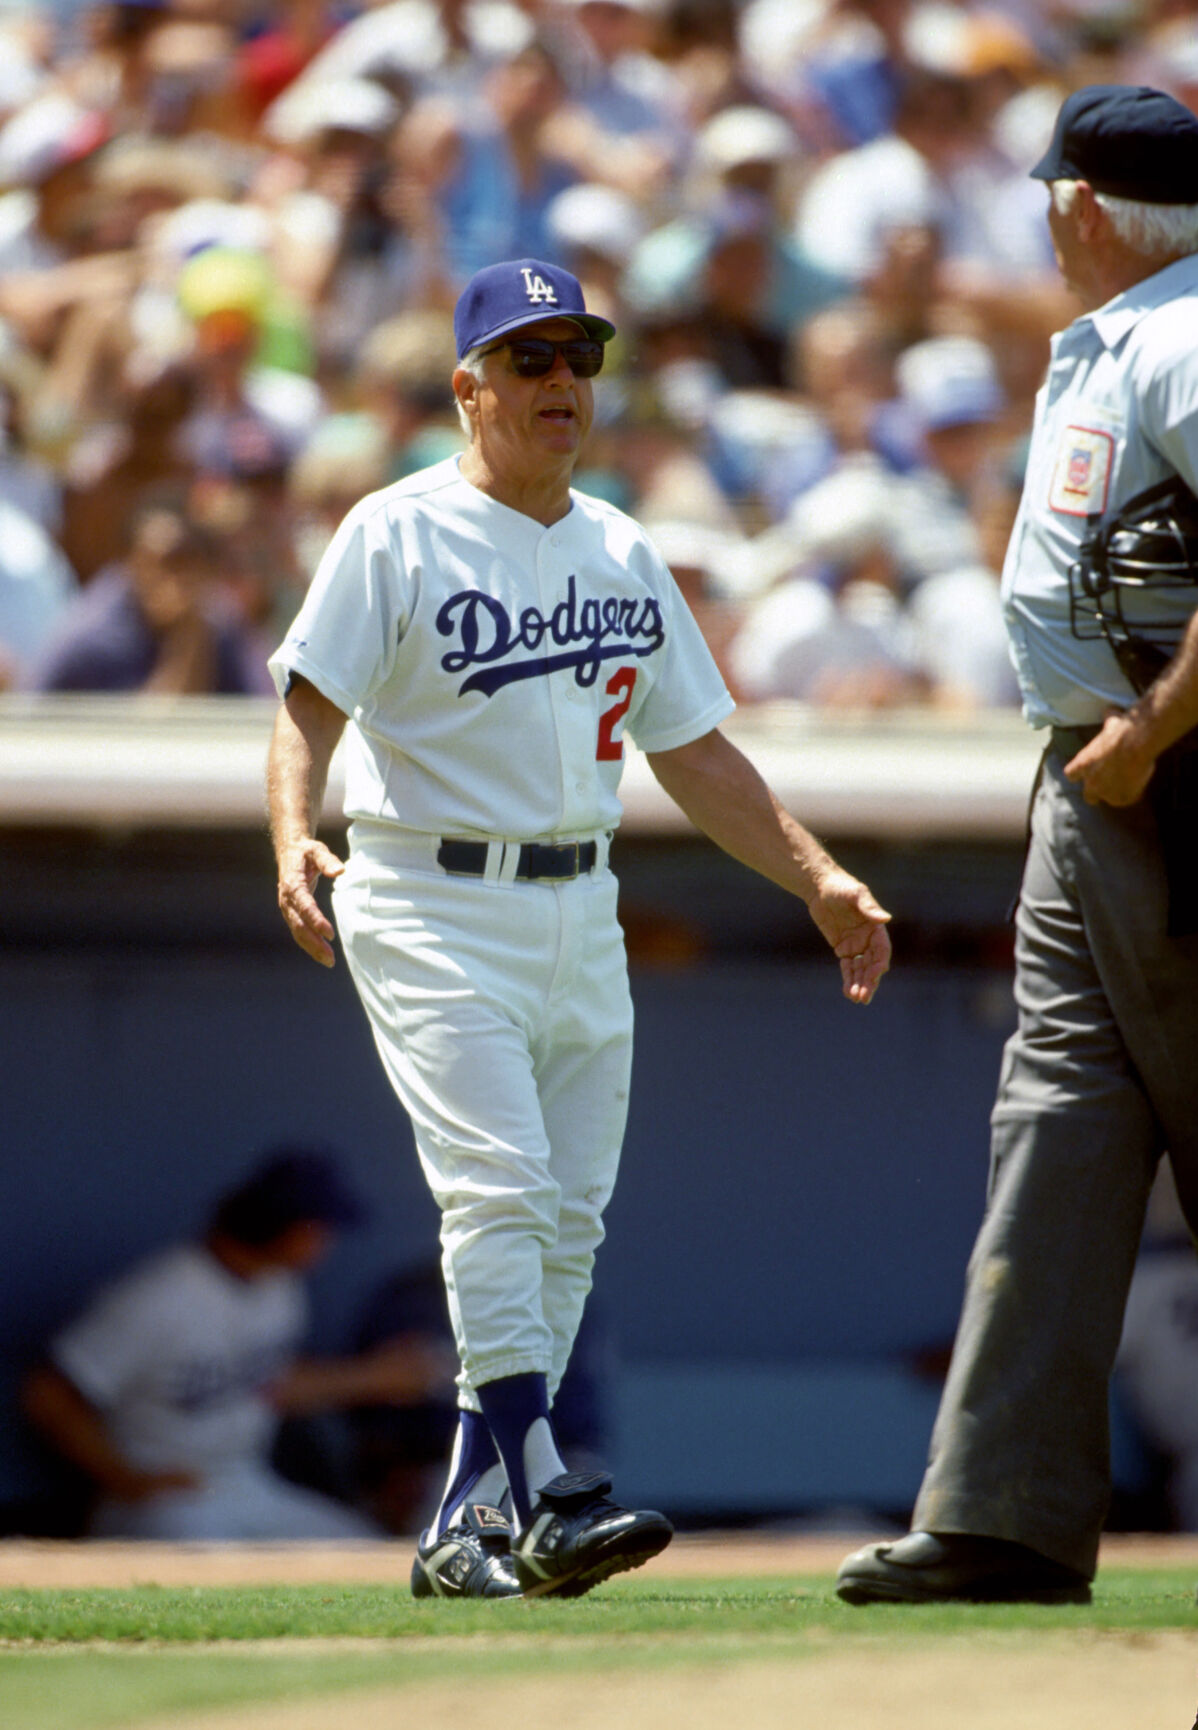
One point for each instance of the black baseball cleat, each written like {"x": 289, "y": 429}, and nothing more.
{"x": 942, "y": 1567}
{"x": 472, "y": 1559}
{"x": 577, "y": 1537}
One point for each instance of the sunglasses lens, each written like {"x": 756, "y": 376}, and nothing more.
{"x": 534, "y": 357}
{"x": 585, "y": 358}
{"x": 531, "y": 359}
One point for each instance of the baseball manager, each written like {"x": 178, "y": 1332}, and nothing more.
{"x": 488, "y": 638}
{"x": 1101, "y": 1075}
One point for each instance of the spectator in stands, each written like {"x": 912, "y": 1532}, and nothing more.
{"x": 116, "y": 462}
{"x": 624, "y": 126}
{"x": 959, "y": 638}
{"x": 593, "y": 231}
{"x": 425, "y": 47}
{"x": 153, "y": 621}
{"x": 400, "y": 385}
{"x": 932, "y": 220}
{"x": 941, "y": 436}
{"x": 744, "y": 283}
{"x": 829, "y": 629}
{"x": 347, "y": 456}
{"x": 839, "y": 65}
{"x": 697, "y": 554}
{"x": 841, "y": 365}
{"x": 47, "y": 154}
{"x": 37, "y": 589}
{"x": 254, "y": 393}
{"x": 167, "y": 1391}
{"x": 26, "y": 479}
{"x": 774, "y": 201}
{"x": 339, "y": 228}
{"x": 281, "y": 48}
{"x": 488, "y": 169}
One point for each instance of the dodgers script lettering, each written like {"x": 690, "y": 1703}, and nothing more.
{"x": 582, "y": 635}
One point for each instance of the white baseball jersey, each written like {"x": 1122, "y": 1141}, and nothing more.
{"x": 490, "y": 666}
{"x": 178, "y": 1355}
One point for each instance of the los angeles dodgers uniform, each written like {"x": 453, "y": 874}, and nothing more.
{"x": 491, "y": 669}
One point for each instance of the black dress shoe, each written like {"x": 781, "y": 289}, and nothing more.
{"x": 930, "y": 1567}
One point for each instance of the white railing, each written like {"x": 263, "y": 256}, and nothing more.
{"x": 200, "y": 762}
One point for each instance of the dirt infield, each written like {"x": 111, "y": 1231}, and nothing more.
{"x": 1146, "y": 1683}
{"x": 25, "y": 1563}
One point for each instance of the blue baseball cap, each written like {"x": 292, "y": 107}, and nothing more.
{"x": 1127, "y": 140}
{"x": 505, "y": 297}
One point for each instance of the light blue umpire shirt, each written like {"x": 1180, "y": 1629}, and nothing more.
{"x": 1117, "y": 412}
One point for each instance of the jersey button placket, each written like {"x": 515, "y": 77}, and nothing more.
{"x": 551, "y": 591}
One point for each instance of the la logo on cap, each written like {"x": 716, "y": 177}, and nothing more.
{"x": 537, "y": 289}
{"x": 501, "y": 298}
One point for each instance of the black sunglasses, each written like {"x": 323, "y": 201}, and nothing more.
{"x": 534, "y": 356}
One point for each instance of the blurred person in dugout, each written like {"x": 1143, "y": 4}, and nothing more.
{"x": 168, "y": 1390}
{"x": 1156, "y": 1371}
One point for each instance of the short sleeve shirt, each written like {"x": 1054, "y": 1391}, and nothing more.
{"x": 1117, "y": 413}
{"x": 490, "y": 666}
{"x": 178, "y": 1354}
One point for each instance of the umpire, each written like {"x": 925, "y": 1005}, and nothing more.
{"x": 1101, "y": 1076}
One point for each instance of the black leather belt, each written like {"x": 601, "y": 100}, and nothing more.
{"x": 1068, "y": 741}
{"x": 538, "y": 859}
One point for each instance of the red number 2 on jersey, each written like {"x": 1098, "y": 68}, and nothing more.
{"x": 621, "y": 686}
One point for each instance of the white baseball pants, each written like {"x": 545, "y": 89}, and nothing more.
{"x": 502, "y": 1014}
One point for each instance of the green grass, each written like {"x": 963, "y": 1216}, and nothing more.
{"x": 1131, "y": 1598}
{"x": 109, "y": 1659}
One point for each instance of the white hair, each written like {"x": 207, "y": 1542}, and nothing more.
{"x": 471, "y": 362}
{"x": 1150, "y": 230}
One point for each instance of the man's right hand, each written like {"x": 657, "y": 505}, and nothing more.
{"x": 1115, "y": 767}
{"x": 301, "y": 865}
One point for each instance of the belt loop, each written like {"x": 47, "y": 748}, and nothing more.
{"x": 509, "y": 859}
{"x": 494, "y": 866}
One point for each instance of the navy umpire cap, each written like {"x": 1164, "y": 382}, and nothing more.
{"x": 292, "y": 1185}
{"x": 1127, "y": 140}
{"x": 504, "y": 297}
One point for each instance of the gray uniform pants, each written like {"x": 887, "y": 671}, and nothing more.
{"x": 1100, "y": 1077}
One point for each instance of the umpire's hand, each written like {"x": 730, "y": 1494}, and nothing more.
{"x": 1117, "y": 764}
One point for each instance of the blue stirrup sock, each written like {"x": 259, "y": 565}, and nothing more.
{"x": 516, "y": 1409}
{"x": 475, "y": 1469}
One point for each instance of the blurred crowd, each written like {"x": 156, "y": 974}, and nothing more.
{"x": 232, "y": 233}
